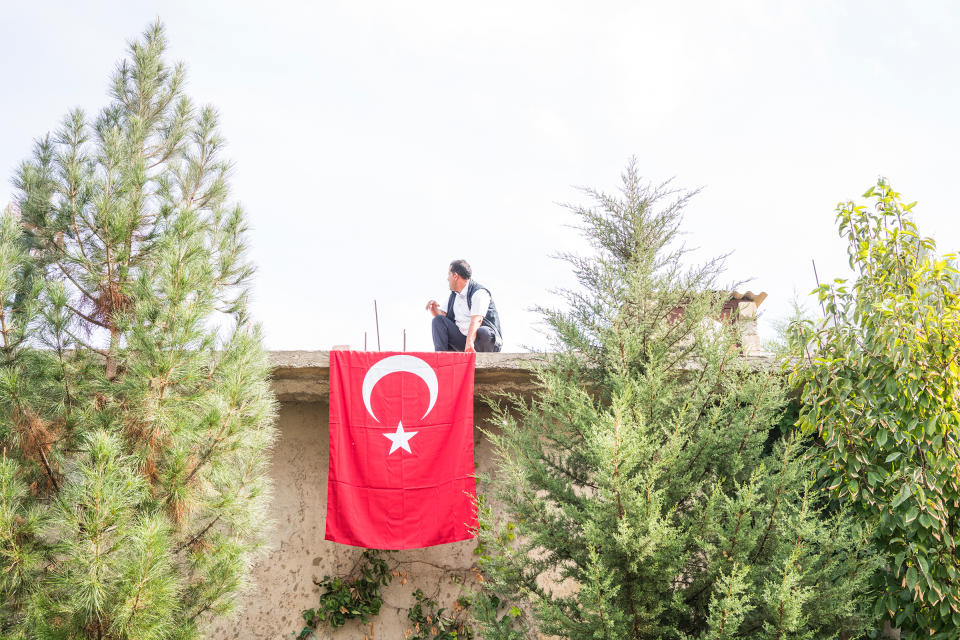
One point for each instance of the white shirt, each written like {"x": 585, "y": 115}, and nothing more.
{"x": 481, "y": 302}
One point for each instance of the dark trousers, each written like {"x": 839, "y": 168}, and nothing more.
{"x": 447, "y": 337}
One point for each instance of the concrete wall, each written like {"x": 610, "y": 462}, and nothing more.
{"x": 284, "y": 577}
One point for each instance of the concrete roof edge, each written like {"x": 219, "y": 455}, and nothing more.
{"x": 303, "y": 376}
{"x": 289, "y": 361}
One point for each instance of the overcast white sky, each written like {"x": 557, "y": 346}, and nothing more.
{"x": 374, "y": 142}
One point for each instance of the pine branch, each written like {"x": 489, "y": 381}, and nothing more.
{"x": 89, "y": 319}
{"x": 49, "y": 471}
{"x": 199, "y": 535}
{"x": 206, "y": 456}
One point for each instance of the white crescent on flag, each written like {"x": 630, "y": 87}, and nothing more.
{"x": 396, "y": 364}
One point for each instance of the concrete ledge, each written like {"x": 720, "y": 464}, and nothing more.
{"x": 304, "y": 376}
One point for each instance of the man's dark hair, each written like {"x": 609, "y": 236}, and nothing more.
{"x": 461, "y": 268}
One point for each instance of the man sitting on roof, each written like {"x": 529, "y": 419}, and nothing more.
{"x": 470, "y": 321}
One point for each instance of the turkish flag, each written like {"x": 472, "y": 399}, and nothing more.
{"x": 401, "y": 449}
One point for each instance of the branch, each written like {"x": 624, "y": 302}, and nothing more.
{"x": 89, "y": 319}
{"x": 198, "y": 536}
{"x": 46, "y": 466}
{"x": 85, "y": 345}
{"x": 207, "y": 454}
{"x": 73, "y": 280}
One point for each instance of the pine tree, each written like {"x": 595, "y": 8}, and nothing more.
{"x": 136, "y": 416}
{"x": 646, "y": 490}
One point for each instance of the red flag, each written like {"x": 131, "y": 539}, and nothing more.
{"x": 401, "y": 449}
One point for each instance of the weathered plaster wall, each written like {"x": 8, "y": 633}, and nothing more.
{"x": 283, "y": 577}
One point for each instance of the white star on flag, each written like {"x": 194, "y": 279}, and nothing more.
{"x": 400, "y": 439}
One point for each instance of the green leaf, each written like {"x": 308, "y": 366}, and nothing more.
{"x": 902, "y": 496}
{"x": 893, "y": 456}
{"x": 912, "y": 577}
{"x": 931, "y": 427}
{"x": 912, "y": 512}
{"x": 882, "y": 437}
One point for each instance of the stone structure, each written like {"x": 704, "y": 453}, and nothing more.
{"x": 283, "y": 578}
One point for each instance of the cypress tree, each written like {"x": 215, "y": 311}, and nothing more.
{"x": 646, "y": 491}
{"x": 136, "y": 416}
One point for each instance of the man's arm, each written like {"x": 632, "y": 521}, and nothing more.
{"x": 479, "y": 306}
{"x": 475, "y": 322}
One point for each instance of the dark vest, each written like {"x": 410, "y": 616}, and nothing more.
{"x": 490, "y": 319}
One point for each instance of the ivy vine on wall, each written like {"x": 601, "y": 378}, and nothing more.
{"x": 347, "y": 598}
{"x": 357, "y": 595}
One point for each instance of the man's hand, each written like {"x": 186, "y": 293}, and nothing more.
{"x": 469, "y": 348}
{"x": 434, "y": 308}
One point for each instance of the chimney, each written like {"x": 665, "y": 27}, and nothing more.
{"x": 743, "y": 307}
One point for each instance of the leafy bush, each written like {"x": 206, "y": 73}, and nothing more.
{"x": 349, "y": 598}
{"x": 881, "y": 387}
